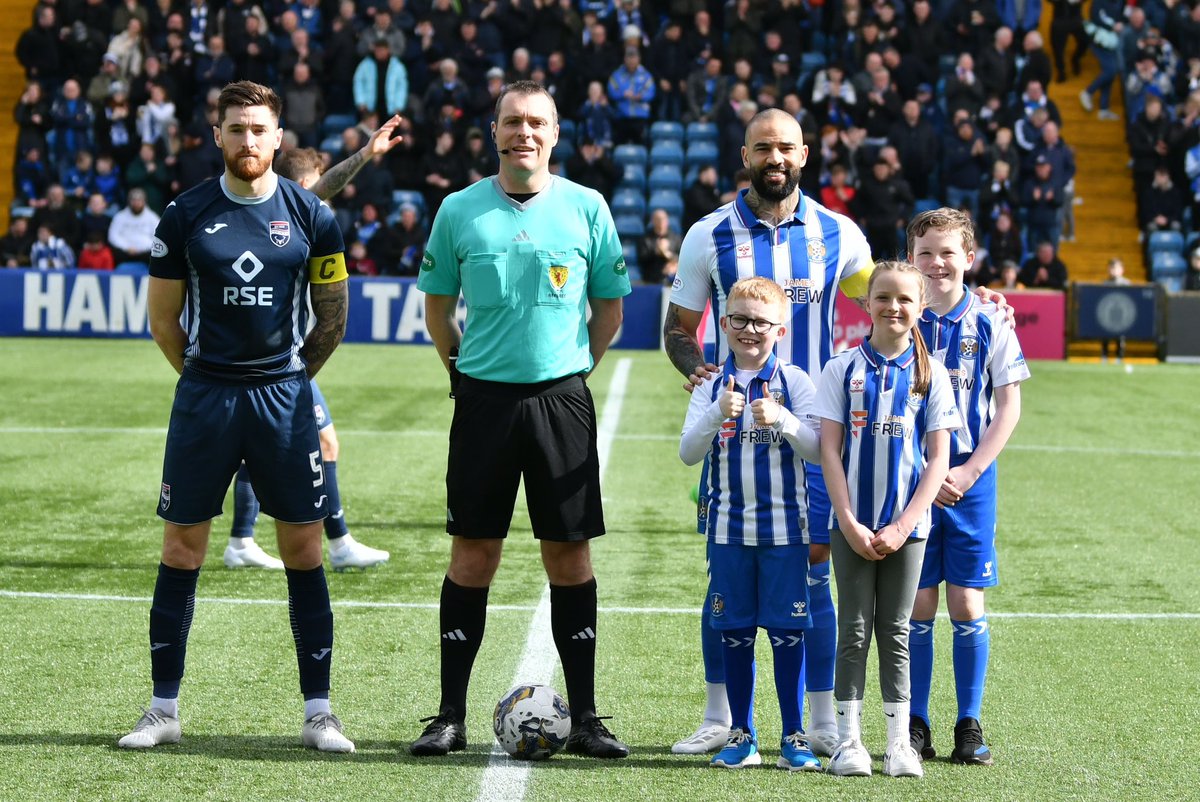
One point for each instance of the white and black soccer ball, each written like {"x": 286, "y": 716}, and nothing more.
{"x": 531, "y": 722}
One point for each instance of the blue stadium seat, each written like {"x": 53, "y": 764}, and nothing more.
{"x": 812, "y": 61}
{"x": 567, "y": 132}
{"x": 629, "y": 154}
{"x": 629, "y": 250}
{"x": 1165, "y": 241}
{"x": 926, "y": 205}
{"x": 665, "y": 176}
{"x": 671, "y": 202}
{"x": 334, "y": 124}
{"x": 1171, "y": 284}
{"x": 1167, "y": 263}
{"x": 629, "y": 227}
{"x": 702, "y": 132}
{"x": 666, "y": 152}
{"x": 634, "y": 177}
{"x": 666, "y": 131}
{"x": 403, "y": 196}
{"x": 702, "y": 153}
{"x": 564, "y": 150}
{"x": 331, "y": 144}
{"x": 628, "y": 201}
{"x": 21, "y": 211}
{"x": 133, "y": 268}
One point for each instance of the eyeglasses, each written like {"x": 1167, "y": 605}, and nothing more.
{"x": 740, "y": 322}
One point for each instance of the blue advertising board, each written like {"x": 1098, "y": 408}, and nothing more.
{"x": 1114, "y": 310}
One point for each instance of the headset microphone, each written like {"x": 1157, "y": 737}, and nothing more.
{"x": 504, "y": 152}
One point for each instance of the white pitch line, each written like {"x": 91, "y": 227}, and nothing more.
{"x": 529, "y": 608}
{"x": 504, "y": 779}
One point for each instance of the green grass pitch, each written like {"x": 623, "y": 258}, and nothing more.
{"x": 1094, "y": 677}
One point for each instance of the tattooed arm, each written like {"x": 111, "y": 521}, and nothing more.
{"x": 330, "y": 303}
{"x": 683, "y": 346}
{"x": 335, "y": 179}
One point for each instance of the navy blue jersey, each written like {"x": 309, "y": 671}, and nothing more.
{"x": 247, "y": 263}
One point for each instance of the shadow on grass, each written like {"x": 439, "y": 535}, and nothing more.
{"x": 285, "y": 749}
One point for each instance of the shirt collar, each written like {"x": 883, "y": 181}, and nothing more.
{"x": 957, "y": 313}
{"x": 876, "y": 359}
{"x": 750, "y": 220}
{"x": 768, "y": 371}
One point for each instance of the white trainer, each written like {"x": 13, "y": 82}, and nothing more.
{"x": 901, "y": 760}
{"x": 250, "y": 555}
{"x": 823, "y": 742}
{"x": 323, "y": 732}
{"x": 153, "y": 728}
{"x": 850, "y": 759}
{"x": 709, "y": 738}
{"x": 346, "y": 553}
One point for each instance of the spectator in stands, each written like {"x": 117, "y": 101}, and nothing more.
{"x": 520, "y": 66}
{"x": 885, "y": 203}
{"x": 49, "y": 252}
{"x": 214, "y": 68}
{"x": 153, "y": 74}
{"x": 373, "y": 185}
{"x": 1191, "y": 281}
{"x": 116, "y": 127}
{"x": 59, "y": 215}
{"x": 102, "y": 83}
{"x": 1147, "y": 137}
{"x": 96, "y": 255}
{"x": 78, "y": 178}
{"x": 340, "y": 59}
{"x": 1160, "y": 207}
{"x": 918, "y": 146}
{"x": 999, "y": 193}
{"x": 592, "y": 167}
{"x": 997, "y": 64}
{"x": 257, "y": 57}
{"x": 924, "y": 38}
{"x": 1067, "y": 22}
{"x": 38, "y": 50}
{"x": 964, "y": 164}
{"x": 304, "y": 103}
{"x": 670, "y": 64}
{"x": 596, "y": 116}
{"x": 1033, "y": 98}
{"x": 132, "y": 231}
{"x": 198, "y": 161}
{"x": 149, "y": 173}
{"x": 302, "y": 50}
{"x": 95, "y": 218}
{"x": 1041, "y": 199}
{"x": 130, "y": 49}
{"x": 839, "y": 196}
{"x": 973, "y": 22}
{"x": 732, "y": 121}
{"x": 1021, "y": 17}
{"x": 905, "y": 71}
{"x": 32, "y": 115}
{"x": 658, "y": 249}
{"x": 701, "y": 197}
{"x": 1010, "y": 277}
{"x": 1002, "y": 148}
{"x": 1044, "y": 270}
{"x": 126, "y": 10}
{"x": 1027, "y": 133}
{"x": 484, "y": 105}
{"x": 881, "y": 107}
{"x": 449, "y": 90}
{"x": 1032, "y": 62}
{"x": 181, "y": 69}
{"x": 1104, "y": 26}
{"x": 1062, "y": 157}
{"x": 358, "y": 262}
{"x": 108, "y": 181}
{"x": 16, "y": 243}
{"x": 480, "y": 157}
{"x": 597, "y": 60}
{"x": 155, "y": 115}
{"x": 444, "y": 171}
{"x": 1004, "y": 240}
{"x": 72, "y": 118}
{"x": 707, "y": 90}
{"x": 31, "y": 177}
{"x": 1145, "y": 80}
{"x": 963, "y": 88}
{"x": 380, "y": 83}
{"x": 630, "y": 91}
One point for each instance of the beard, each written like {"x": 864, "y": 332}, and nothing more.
{"x": 775, "y": 194}
{"x": 248, "y": 168}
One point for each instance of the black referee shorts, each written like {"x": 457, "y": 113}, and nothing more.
{"x": 545, "y": 432}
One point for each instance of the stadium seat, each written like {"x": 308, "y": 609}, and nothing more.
{"x": 667, "y": 152}
{"x": 21, "y": 211}
{"x": 133, "y": 268}
{"x": 702, "y": 153}
{"x": 628, "y": 201}
{"x": 926, "y": 205}
{"x": 567, "y": 131}
{"x": 629, "y": 227}
{"x": 402, "y": 196}
{"x": 812, "y": 61}
{"x": 1167, "y": 263}
{"x": 1171, "y": 284}
{"x": 1165, "y": 241}
{"x": 331, "y": 144}
{"x": 666, "y": 131}
{"x": 564, "y": 150}
{"x": 702, "y": 132}
{"x": 334, "y": 124}
{"x": 629, "y": 154}
{"x": 665, "y": 176}
{"x": 671, "y": 202}
{"x": 633, "y": 177}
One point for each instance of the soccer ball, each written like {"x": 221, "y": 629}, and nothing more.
{"x": 532, "y": 722}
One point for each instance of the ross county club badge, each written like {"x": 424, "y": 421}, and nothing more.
{"x": 281, "y": 232}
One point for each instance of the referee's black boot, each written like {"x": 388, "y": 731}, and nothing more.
{"x": 445, "y": 733}
{"x": 591, "y": 738}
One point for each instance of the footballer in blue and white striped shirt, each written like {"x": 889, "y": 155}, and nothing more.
{"x": 981, "y": 353}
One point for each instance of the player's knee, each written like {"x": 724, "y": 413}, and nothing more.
{"x": 300, "y": 544}
{"x": 329, "y": 444}
{"x": 184, "y": 547}
{"x": 965, "y": 604}
{"x": 473, "y": 563}
{"x": 567, "y": 564}
{"x": 926, "y": 604}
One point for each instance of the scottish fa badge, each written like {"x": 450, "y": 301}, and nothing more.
{"x": 558, "y": 277}
{"x": 281, "y": 232}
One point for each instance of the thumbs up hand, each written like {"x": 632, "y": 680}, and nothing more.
{"x": 766, "y": 410}
{"x": 732, "y": 402}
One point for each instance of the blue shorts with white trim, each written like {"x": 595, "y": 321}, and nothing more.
{"x": 962, "y": 541}
{"x": 758, "y": 586}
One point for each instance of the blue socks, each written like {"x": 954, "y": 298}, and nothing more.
{"x": 920, "y": 666}
{"x": 312, "y": 629}
{"x": 711, "y": 647}
{"x": 972, "y": 642}
{"x": 788, "y": 648}
{"x": 739, "y": 675}
{"x": 170, "y": 621}
{"x": 245, "y": 505}
{"x": 335, "y": 521}
{"x": 820, "y": 650}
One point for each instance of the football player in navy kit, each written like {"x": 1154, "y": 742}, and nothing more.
{"x": 236, "y": 258}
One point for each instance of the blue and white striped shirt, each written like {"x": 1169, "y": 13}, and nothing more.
{"x": 756, "y": 493}
{"x": 883, "y": 451}
{"x": 808, "y": 255}
{"x": 981, "y": 352}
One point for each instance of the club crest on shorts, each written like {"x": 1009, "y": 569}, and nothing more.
{"x": 717, "y": 603}
{"x": 968, "y": 347}
{"x": 164, "y": 497}
{"x": 281, "y": 232}
{"x": 558, "y": 277}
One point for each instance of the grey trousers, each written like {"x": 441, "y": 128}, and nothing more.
{"x": 874, "y": 596}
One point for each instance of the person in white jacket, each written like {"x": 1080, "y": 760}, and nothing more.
{"x": 132, "y": 230}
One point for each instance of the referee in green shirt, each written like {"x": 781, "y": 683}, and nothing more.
{"x": 529, "y": 252}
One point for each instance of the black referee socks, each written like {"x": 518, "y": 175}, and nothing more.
{"x": 573, "y": 622}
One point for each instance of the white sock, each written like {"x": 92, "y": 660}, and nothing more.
{"x": 716, "y": 704}
{"x": 821, "y": 715}
{"x": 848, "y": 713}
{"x": 339, "y": 543}
{"x": 239, "y": 543}
{"x": 314, "y": 706}
{"x": 896, "y": 714}
{"x": 168, "y": 706}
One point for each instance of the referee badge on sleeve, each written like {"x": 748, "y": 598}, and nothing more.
{"x": 558, "y": 277}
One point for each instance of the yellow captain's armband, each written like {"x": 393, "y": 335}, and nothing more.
{"x": 327, "y": 269}
{"x": 856, "y": 286}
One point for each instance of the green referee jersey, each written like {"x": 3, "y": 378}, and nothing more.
{"x": 526, "y": 271}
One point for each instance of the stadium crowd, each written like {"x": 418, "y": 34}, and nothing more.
{"x": 905, "y": 105}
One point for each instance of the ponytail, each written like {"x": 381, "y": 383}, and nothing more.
{"x": 921, "y": 371}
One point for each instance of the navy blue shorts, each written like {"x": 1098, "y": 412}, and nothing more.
{"x": 758, "y": 586}
{"x": 320, "y": 408}
{"x": 962, "y": 541}
{"x": 215, "y": 427}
